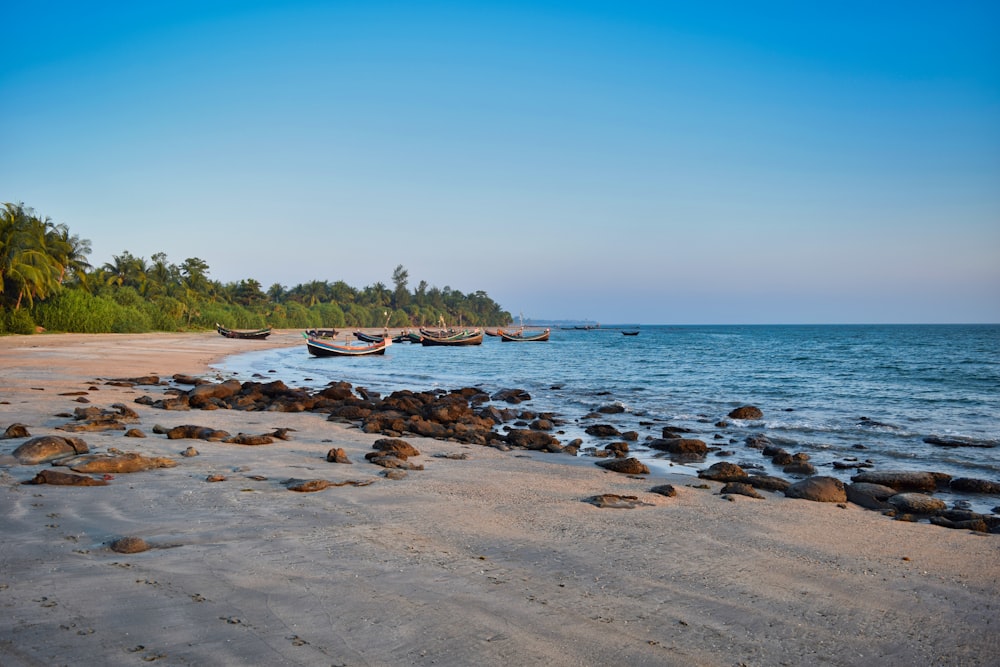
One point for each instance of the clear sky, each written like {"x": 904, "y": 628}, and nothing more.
{"x": 621, "y": 161}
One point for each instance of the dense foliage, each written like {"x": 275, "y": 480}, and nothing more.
{"x": 46, "y": 281}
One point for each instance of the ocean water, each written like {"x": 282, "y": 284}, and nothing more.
{"x": 834, "y": 392}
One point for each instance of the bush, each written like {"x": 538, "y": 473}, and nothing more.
{"x": 17, "y": 322}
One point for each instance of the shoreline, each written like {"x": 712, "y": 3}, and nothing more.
{"x": 495, "y": 559}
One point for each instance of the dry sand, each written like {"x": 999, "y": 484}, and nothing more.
{"x": 492, "y": 560}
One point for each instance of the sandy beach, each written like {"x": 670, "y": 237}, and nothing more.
{"x": 492, "y": 559}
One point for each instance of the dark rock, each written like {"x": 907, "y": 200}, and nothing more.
{"x": 617, "y": 448}
{"x": 971, "y": 485}
{"x": 819, "y": 489}
{"x": 978, "y": 525}
{"x": 396, "y": 447}
{"x": 917, "y": 503}
{"x": 129, "y": 545}
{"x": 196, "y": 433}
{"x": 307, "y": 485}
{"x": 746, "y": 413}
{"x": 871, "y": 496}
{"x": 338, "y": 455}
{"x": 122, "y": 462}
{"x": 64, "y": 479}
{"x": 612, "y": 409}
{"x": 541, "y": 425}
{"x": 799, "y": 468}
{"x": 899, "y": 480}
{"x": 535, "y": 440}
{"x": 135, "y": 433}
{"x": 248, "y": 439}
{"x": 942, "y": 441}
{"x": 513, "y": 396}
{"x": 667, "y": 490}
{"x": 15, "y": 431}
{"x": 629, "y": 466}
{"x": 768, "y": 482}
{"x": 602, "y": 431}
{"x": 615, "y": 501}
{"x": 49, "y": 448}
{"x": 740, "y": 489}
{"x": 724, "y": 471}
{"x": 679, "y": 446}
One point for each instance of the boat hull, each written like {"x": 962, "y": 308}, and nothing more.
{"x": 324, "y": 348}
{"x": 259, "y": 334}
{"x": 522, "y": 337}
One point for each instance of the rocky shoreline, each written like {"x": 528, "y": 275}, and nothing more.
{"x": 471, "y": 416}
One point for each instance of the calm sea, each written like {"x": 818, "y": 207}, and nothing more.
{"x": 870, "y": 392}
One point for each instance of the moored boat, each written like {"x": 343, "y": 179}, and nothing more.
{"x": 328, "y": 348}
{"x": 467, "y": 337}
{"x": 256, "y": 334}
{"x": 524, "y": 336}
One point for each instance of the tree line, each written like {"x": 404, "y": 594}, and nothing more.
{"x": 47, "y": 281}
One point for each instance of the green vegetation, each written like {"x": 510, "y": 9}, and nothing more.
{"x": 46, "y": 281}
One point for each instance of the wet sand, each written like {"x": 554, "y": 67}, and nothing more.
{"x": 496, "y": 559}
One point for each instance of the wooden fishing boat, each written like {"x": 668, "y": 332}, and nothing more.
{"x": 328, "y": 348}
{"x": 322, "y": 333}
{"x": 630, "y": 333}
{"x": 370, "y": 338}
{"x": 473, "y": 337}
{"x": 523, "y": 336}
{"x": 257, "y": 334}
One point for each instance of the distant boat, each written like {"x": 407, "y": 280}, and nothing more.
{"x": 326, "y": 348}
{"x": 522, "y": 336}
{"x": 630, "y": 333}
{"x": 256, "y": 334}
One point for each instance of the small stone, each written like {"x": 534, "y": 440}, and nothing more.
{"x": 129, "y": 545}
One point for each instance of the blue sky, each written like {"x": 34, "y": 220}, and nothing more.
{"x": 654, "y": 162}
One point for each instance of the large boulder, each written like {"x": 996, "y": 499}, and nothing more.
{"x": 820, "y": 489}
{"x": 118, "y": 463}
{"x": 871, "y": 496}
{"x": 723, "y": 471}
{"x": 47, "y": 448}
{"x": 972, "y": 485}
{"x": 396, "y": 447}
{"x": 746, "y": 412}
{"x": 901, "y": 480}
{"x": 536, "y": 440}
{"x": 917, "y": 503}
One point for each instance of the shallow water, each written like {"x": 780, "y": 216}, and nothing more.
{"x": 873, "y": 392}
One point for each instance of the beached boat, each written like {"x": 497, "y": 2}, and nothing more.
{"x": 523, "y": 336}
{"x": 256, "y": 334}
{"x": 467, "y": 337}
{"x": 328, "y": 348}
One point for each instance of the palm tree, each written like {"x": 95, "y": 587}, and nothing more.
{"x": 25, "y": 266}
{"x": 127, "y": 270}
{"x": 69, "y": 251}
